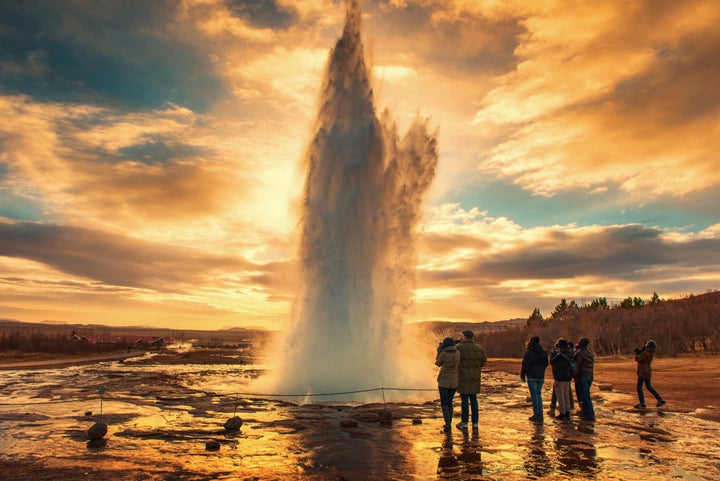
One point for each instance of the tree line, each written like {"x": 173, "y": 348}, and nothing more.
{"x": 53, "y": 343}
{"x": 687, "y": 325}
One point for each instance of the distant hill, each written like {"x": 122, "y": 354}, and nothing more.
{"x": 228, "y": 335}
{"x": 453, "y": 329}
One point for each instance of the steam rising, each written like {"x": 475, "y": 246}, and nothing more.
{"x": 361, "y": 206}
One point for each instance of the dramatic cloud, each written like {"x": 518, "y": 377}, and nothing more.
{"x": 150, "y": 152}
{"x": 608, "y": 95}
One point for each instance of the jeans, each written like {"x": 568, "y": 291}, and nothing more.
{"x": 446, "y": 399}
{"x": 535, "y": 387}
{"x": 641, "y": 396}
{"x": 584, "y": 383}
{"x": 470, "y": 399}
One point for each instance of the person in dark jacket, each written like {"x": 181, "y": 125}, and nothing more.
{"x": 585, "y": 360}
{"x": 553, "y": 399}
{"x": 534, "y": 363}
{"x": 561, "y": 360}
{"x": 644, "y": 359}
{"x": 472, "y": 359}
{"x": 448, "y": 359}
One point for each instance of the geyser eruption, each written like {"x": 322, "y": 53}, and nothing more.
{"x": 361, "y": 207}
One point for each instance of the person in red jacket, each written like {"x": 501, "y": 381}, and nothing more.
{"x": 644, "y": 359}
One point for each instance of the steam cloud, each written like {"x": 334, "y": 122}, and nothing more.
{"x": 361, "y": 207}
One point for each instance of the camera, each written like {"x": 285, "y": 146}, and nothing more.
{"x": 638, "y": 350}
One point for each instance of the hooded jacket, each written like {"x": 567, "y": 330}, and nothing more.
{"x": 644, "y": 360}
{"x": 448, "y": 359}
{"x": 560, "y": 362}
{"x": 472, "y": 359}
{"x": 534, "y": 363}
{"x": 585, "y": 359}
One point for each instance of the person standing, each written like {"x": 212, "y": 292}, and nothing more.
{"x": 585, "y": 360}
{"x": 644, "y": 359}
{"x": 534, "y": 363}
{"x": 563, "y": 369}
{"x": 472, "y": 359}
{"x": 448, "y": 359}
{"x": 553, "y": 399}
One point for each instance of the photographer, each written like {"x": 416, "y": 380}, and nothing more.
{"x": 448, "y": 359}
{"x": 644, "y": 359}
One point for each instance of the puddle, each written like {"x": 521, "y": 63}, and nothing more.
{"x": 161, "y": 417}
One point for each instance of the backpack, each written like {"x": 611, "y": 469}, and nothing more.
{"x": 568, "y": 369}
{"x": 572, "y": 368}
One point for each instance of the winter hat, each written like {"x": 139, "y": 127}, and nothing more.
{"x": 584, "y": 342}
{"x": 562, "y": 344}
{"x": 535, "y": 340}
{"x": 447, "y": 342}
{"x": 468, "y": 333}
{"x": 651, "y": 345}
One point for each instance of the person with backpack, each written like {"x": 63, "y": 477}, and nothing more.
{"x": 644, "y": 359}
{"x": 534, "y": 363}
{"x": 563, "y": 369}
{"x": 553, "y": 398}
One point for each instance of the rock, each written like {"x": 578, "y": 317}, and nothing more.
{"x": 233, "y": 424}
{"x": 88, "y": 413}
{"x": 97, "y": 430}
{"x": 348, "y": 423}
{"x": 385, "y": 416}
{"x": 605, "y": 386}
{"x": 212, "y": 446}
{"x": 417, "y": 421}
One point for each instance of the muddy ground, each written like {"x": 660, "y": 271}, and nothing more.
{"x": 162, "y": 412}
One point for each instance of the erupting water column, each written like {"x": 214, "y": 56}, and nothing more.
{"x": 361, "y": 206}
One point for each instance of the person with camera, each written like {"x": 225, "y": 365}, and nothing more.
{"x": 644, "y": 359}
{"x": 448, "y": 359}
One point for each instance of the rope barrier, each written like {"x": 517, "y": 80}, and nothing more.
{"x": 335, "y": 393}
{"x": 248, "y": 394}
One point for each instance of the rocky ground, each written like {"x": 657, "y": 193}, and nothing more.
{"x": 166, "y": 416}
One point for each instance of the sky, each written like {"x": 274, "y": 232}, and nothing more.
{"x": 151, "y": 153}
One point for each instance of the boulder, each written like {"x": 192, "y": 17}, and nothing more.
{"x": 233, "y": 424}
{"x": 212, "y": 446}
{"x": 97, "y": 430}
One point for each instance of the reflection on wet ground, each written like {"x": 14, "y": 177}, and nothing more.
{"x": 160, "y": 418}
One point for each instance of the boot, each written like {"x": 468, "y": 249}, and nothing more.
{"x": 447, "y": 416}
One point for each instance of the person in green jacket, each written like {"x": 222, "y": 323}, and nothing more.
{"x": 472, "y": 359}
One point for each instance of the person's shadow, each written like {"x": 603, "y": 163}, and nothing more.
{"x": 468, "y": 460}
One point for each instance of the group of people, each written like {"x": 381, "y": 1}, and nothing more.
{"x": 461, "y": 364}
{"x": 569, "y": 363}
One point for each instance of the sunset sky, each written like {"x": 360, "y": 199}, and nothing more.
{"x": 150, "y": 152}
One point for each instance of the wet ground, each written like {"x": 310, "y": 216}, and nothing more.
{"x": 161, "y": 418}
